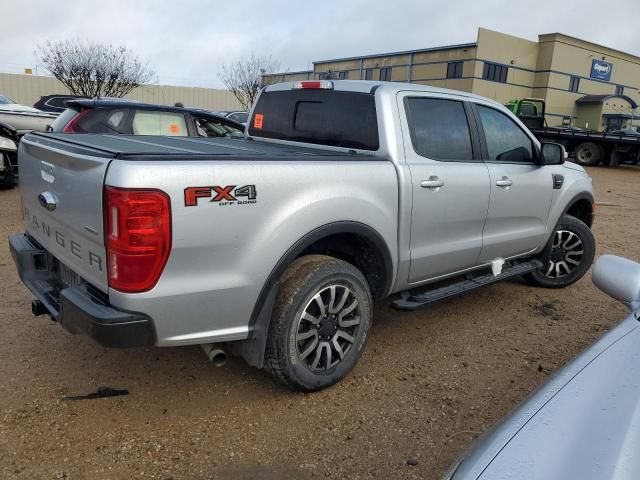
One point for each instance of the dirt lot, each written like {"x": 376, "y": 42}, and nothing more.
{"x": 429, "y": 382}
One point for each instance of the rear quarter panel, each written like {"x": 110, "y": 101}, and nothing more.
{"x": 222, "y": 253}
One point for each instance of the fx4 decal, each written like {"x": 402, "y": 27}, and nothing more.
{"x": 228, "y": 195}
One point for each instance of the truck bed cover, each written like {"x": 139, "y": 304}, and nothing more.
{"x": 127, "y": 147}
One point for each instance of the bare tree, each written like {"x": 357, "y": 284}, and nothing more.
{"x": 92, "y": 69}
{"x": 246, "y": 76}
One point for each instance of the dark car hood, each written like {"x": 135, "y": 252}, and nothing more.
{"x": 584, "y": 423}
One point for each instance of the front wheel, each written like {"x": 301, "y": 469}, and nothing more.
{"x": 320, "y": 323}
{"x": 567, "y": 256}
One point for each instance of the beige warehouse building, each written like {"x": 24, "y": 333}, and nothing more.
{"x": 27, "y": 89}
{"x": 589, "y": 85}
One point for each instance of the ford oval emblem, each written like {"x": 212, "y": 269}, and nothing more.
{"x": 48, "y": 201}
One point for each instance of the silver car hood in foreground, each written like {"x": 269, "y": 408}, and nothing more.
{"x": 584, "y": 423}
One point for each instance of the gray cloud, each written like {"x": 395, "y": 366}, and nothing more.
{"x": 187, "y": 41}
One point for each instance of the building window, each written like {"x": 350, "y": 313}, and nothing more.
{"x": 324, "y": 75}
{"x": 368, "y": 73}
{"x": 343, "y": 75}
{"x": 495, "y": 72}
{"x": 454, "y": 69}
{"x": 619, "y": 90}
{"x": 574, "y": 84}
{"x": 385, "y": 74}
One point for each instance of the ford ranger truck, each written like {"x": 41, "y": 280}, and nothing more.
{"x": 276, "y": 246}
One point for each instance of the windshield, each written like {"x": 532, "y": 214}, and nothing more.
{"x": 5, "y": 100}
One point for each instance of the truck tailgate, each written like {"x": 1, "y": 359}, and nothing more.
{"x": 61, "y": 187}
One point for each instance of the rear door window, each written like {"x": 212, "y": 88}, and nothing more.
{"x": 439, "y": 128}
{"x": 324, "y": 117}
{"x": 159, "y": 123}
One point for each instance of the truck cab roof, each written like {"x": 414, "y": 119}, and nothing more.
{"x": 372, "y": 86}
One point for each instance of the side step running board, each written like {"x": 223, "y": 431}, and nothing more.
{"x": 412, "y": 300}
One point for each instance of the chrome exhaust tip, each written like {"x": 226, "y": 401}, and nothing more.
{"x": 216, "y": 355}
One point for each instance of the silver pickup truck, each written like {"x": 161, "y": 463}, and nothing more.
{"x": 274, "y": 247}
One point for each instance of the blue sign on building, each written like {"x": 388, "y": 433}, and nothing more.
{"x": 601, "y": 70}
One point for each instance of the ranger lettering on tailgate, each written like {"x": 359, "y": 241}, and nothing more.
{"x": 51, "y": 232}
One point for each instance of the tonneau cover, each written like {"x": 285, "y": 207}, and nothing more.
{"x": 128, "y": 146}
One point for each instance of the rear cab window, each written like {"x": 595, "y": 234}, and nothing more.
{"x": 324, "y": 117}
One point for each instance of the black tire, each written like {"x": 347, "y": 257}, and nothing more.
{"x": 556, "y": 275}
{"x": 309, "y": 282}
{"x": 588, "y": 154}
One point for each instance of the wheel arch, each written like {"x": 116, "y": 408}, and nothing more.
{"x": 582, "y": 207}
{"x": 329, "y": 240}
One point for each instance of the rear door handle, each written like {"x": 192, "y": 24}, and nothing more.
{"x": 504, "y": 182}
{"x": 433, "y": 182}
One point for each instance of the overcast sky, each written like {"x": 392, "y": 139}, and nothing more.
{"x": 187, "y": 41}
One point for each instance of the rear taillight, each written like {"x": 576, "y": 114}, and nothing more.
{"x": 71, "y": 127}
{"x": 137, "y": 237}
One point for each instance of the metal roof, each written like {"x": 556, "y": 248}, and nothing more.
{"x": 404, "y": 52}
{"x": 603, "y": 98}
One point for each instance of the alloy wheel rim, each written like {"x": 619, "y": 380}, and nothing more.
{"x": 566, "y": 254}
{"x": 327, "y": 328}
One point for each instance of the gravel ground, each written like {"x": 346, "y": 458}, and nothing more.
{"x": 428, "y": 384}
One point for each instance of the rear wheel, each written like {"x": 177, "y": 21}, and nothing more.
{"x": 588, "y": 154}
{"x": 567, "y": 256}
{"x": 320, "y": 323}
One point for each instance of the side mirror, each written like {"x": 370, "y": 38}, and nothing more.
{"x": 552, "y": 154}
{"x": 619, "y": 278}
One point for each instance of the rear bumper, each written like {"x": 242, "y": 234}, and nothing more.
{"x": 79, "y": 309}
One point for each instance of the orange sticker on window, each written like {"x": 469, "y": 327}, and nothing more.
{"x": 257, "y": 120}
{"x": 174, "y": 128}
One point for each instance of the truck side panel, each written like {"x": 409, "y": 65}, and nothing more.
{"x": 224, "y": 250}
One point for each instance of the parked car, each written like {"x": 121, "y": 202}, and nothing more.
{"x": 6, "y": 104}
{"x": 128, "y": 117}
{"x": 274, "y": 247}
{"x": 583, "y": 423}
{"x": 237, "y": 115}
{"x": 22, "y": 118}
{"x": 8, "y": 156}
{"x": 54, "y": 103}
